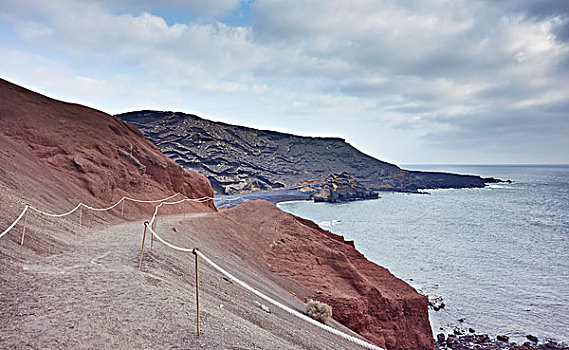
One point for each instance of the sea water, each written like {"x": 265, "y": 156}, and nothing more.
{"x": 498, "y": 256}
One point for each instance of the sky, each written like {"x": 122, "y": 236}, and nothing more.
{"x": 406, "y": 81}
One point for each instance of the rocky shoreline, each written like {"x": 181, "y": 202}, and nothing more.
{"x": 484, "y": 342}
{"x": 337, "y": 188}
{"x": 461, "y": 338}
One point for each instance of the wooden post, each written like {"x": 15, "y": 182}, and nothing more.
{"x": 142, "y": 248}
{"x": 24, "y": 230}
{"x": 197, "y": 291}
{"x": 152, "y": 236}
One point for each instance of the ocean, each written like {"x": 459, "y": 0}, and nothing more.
{"x": 498, "y": 256}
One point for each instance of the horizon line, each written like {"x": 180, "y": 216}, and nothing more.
{"x": 489, "y": 164}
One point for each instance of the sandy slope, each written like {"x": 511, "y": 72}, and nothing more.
{"x": 92, "y": 296}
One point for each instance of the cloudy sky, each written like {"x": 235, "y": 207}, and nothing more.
{"x": 414, "y": 81}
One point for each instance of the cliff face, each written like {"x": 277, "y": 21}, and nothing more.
{"x": 364, "y": 296}
{"x": 239, "y": 159}
{"x": 51, "y": 149}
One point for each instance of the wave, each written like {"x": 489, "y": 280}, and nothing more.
{"x": 329, "y": 223}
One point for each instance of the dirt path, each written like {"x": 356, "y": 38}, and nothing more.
{"x": 92, "y": 296}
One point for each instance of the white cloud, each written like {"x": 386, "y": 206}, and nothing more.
{"x": 432, "y": 69}
{"x": 205, "y": 8}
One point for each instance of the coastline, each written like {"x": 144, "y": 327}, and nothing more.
{"x": 460, "y": 337}
{"x": 275, "y": 196}
{"x": 271, "y": 196}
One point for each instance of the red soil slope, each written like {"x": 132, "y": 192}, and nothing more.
{"x": 51, "y": 150}
{"x": 322, "y": 266}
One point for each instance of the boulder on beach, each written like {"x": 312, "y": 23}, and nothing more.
{"x": 436, "y": 302}
{"x": 503, "y": 338}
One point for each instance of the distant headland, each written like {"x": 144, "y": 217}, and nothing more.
{"x": 239, "y": 159}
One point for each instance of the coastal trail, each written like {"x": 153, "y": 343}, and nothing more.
{"x": 91, "y": 295}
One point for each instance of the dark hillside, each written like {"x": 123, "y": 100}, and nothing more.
{"x": 240, "y": 159}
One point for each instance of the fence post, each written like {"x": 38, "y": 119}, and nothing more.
{"x": 24, "y": 230}
{"x": 152, "y": 236}
{"x": 197, "y": 291}
{"x": 142, "y": 248}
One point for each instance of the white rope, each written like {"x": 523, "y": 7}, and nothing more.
{"x": 231, "y": 199}
{"x": 266, "y": 298}
{"x": 103, "y": 209}
{"x": 57, "y": 215}
{"x": 286, "y": 308}
{"x": 197, "y": 200}
{"x": 161, "y": 201}
{"x": 152, "y": 201}
{"x": 149, "y": 227}
{"x": 15, "y": 222}
{"x": 223, "y": 202}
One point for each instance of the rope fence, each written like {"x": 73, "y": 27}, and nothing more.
{"x": 291, "y": 311}
{"x": 196, "y": 200}
{"x": 15, "y": 221}
{"x": 223, "y": 202}
{"x": 81, "y": 205}
{"x": 150, "y": 226}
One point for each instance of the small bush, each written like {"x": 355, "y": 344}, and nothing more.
{"x": 319, "y": 311}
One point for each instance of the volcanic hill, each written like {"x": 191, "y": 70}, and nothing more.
{"x": 75, "y": 282}
{"x": 239, "y": 159}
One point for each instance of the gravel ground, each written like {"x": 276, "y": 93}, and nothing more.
{"x": 87, "y": 293}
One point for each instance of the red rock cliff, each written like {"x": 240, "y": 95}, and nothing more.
{"x": 51, "y": 150}
{"x": 365, "y": 297}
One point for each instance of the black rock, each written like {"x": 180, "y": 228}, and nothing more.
{"x": 452, "y": 341}
{"x": 471, "y": 330}
{"x": 343, "y": 187}
{"x": 467, "y": 338}
{"x": 503, "y": 338}
{"x": 238, "y": 159}
{"x": 551, "y": 345}
{"x": 441, "y": 337}
{"x": 483, "y": 342}
{"x": 531, "y": 337}
{"x": 436, "y": 302}
{"x": 481, "y": 338}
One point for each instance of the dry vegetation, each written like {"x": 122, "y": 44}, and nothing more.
{"x": 319, "y": 311}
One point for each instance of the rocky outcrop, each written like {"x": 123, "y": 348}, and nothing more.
{"x": 343, "y": 187}
{"x": 238, "y": 159}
